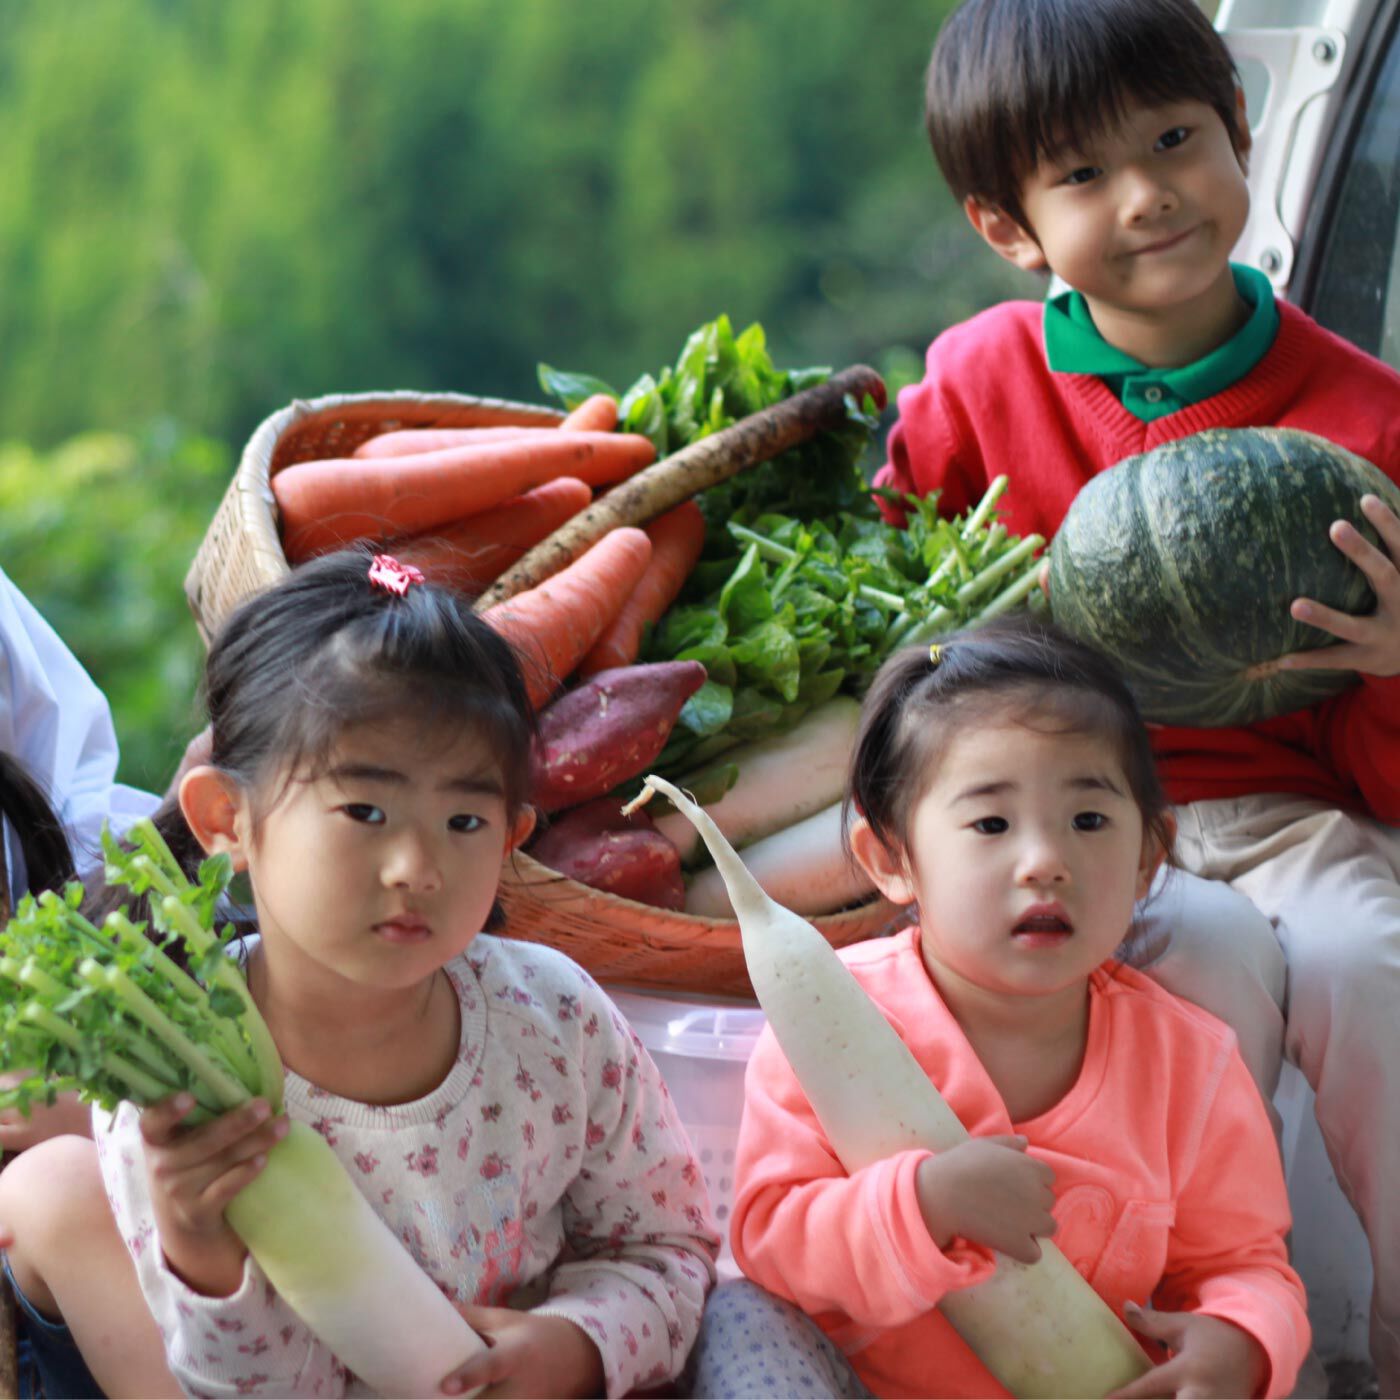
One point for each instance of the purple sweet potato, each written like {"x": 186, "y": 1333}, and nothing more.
{"x": 608, "y": 729}
{"x": 599, "y": 847}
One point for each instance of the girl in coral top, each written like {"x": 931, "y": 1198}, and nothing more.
{"x": 1003, "y": 785}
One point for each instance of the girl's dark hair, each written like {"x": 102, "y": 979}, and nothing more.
{"x": 323, "y": 650}
{"x": 43, "y": 843}
{"x": 1003, "y": 669}
{"x": 1013, "y": 82}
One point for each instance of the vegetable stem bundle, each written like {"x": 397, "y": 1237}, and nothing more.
{"x": 108, "y": 1012}
{"x": 808, "y": 609}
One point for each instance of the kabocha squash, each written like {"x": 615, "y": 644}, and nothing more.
{"x": 1181, "y": 564}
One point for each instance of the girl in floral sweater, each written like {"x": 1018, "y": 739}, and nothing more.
{"x": 371, "y": 743}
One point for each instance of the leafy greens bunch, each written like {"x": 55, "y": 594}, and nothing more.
{"x": 107, "y": 1011}
{"x": 802, "y": 589}
{"x": 803, "y": 609}
{"x": 718, "y": 379}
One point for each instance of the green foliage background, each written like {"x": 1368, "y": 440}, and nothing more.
{"x": 211, "y": 208}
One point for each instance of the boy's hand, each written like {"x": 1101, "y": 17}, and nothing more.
{"x": 194, "y": 1173}
{"x": 1368, "y": 644}
{"x": 989, "y": 1191}
{"x": 527, "y": 1354}
{"x": 1209, "y": 1357}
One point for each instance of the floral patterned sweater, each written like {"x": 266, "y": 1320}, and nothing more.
{"x": 548, "y": 1170}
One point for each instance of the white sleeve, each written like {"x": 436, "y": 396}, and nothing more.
{"x": 55, "y": 720}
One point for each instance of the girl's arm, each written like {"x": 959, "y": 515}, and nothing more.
{"x": 851, "y": 1245}
{"x": 1227, "y": 1256}
{"x": 637, "y": 1217}
{"x": 246, "y": 1343}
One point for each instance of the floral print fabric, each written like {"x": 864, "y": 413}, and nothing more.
{"x": 548, "y": 1170}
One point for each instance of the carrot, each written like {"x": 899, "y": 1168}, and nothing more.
{"x": 470, "y": 553}
{"x": 697, "y": 466}
{"x": 553, "y": 626}
{"x": 597, "y": 413}
{"x": 326, "y": 504}
{"x": 404, "y": 442}
{"x": 676, "y": 540}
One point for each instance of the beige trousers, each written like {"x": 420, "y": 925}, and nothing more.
{"x": 1284, "y": 921}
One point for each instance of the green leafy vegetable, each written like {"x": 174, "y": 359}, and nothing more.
{"x": 802, "y": 589}
{"x": 808, "y": 608}
{"x": 717, "y": 379}
{"x": 108, "y": 1012}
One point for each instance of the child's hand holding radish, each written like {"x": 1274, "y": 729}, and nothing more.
{"x": 1209, "y": 1357}
{"x": 193, "y": 1174}
{"x": 527, "y": 1354}
{"x": 990, "y": 1191}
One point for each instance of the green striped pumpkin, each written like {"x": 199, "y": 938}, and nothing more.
{"x": 1181, "y": 563}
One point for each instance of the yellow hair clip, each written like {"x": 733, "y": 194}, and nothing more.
{"x": 935, "y": 654}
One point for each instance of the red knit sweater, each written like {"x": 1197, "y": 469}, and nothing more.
{"x": 988, "y": 403}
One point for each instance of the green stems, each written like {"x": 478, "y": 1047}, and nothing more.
{"x": 1012, "y": 559}
{"x": 222, "y": 1086}
{"x": 268, "y": 1063}
{"x": 112, "y": 1013}
{"x": 777, "y": 553}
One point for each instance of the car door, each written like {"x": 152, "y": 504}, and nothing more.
{"x": 1322, "y": 82}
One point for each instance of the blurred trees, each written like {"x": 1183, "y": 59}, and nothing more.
{"x": 211, "y": 208}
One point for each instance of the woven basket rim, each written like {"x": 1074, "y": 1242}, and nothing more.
{"x": 246, "y": 518}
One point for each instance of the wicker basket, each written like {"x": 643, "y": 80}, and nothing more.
{"x": 618, "y": 940}
{"x": 241, "y": 553}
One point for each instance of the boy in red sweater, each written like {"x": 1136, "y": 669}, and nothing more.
{"x": 1105, "y": 141}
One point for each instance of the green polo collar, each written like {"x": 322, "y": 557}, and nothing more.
{"x": 1073, "y": 345}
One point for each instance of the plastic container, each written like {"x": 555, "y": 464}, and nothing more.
{"x": 701, "y": 1049}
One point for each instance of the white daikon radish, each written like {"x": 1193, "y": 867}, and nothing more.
{"x": 1040, "y": 1329}
{"x": 341, "y": 1269}
{"x": 782, "y": 779}
{"x": 805, "y": 867}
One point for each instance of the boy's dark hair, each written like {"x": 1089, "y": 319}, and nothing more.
{"x": 1015, "y": 669}
{"x": 323, "y": 650}
{"x": 1014, "y": 82}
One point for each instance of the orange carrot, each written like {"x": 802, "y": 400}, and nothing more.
{"x": 469, "y": 554}
{"x": 327, "y": 504}
{"x": 403, "y": 442}
{"x": 676, "y": 540}
{"x": 597, "y": 413}
{"x": 553, "y": 626}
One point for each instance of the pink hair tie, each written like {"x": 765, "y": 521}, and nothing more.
{"x": 387, "y": 573}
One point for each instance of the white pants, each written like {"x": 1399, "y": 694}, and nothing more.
{"x": 1307, "y": 964}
